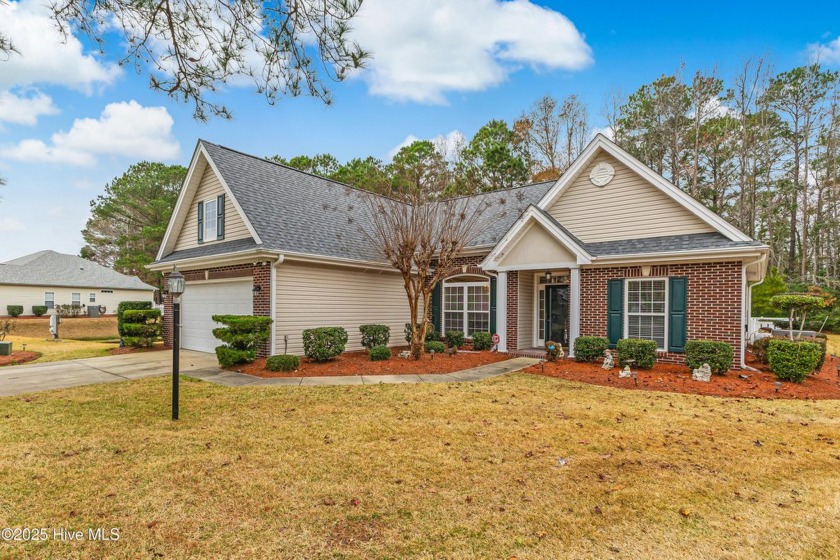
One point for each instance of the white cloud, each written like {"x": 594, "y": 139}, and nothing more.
{"x": 410, "y": 139}
{"x": 606, "y": 131}
{"x": 828, "y": 53}
{"x": 424, "y": 50}
{"x": 123, "y": 129}
{"x": 18, "y": 109}
{"x": 47, "y": 57}
{"x": 8, "y": 225}
{"x": 449, "y": 144}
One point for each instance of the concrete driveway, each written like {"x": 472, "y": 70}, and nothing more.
{"x": 27, "y": 378}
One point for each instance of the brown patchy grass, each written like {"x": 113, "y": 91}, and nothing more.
{"x": 64, "y": 349}
{"x": 79, "y": 328}
{"x": 834, "y": 344}
{"x": 467, "y": 470}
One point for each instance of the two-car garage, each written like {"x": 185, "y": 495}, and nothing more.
{"x": 202, "y": 300}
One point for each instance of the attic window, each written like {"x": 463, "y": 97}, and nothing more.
{"x": 210, "y": 219}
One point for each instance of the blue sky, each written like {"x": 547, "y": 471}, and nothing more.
{"x": 71, "y": 120}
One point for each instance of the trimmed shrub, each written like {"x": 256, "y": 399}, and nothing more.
{"x": 379, "y": 353}
{"x": 641, "y": 352}
{"x": 793, "y": 360}
{"x": 124, "y": 306}
{"x": 431, "y": 333}
{"x": 39, "y": 310}
{"x": 242, "y": 335}
{"x": 141, "y": 327}
{"x": 590, "y": 348}
{"x": 435, "y": 346}
{"x": 717, "y": 354}
{"x": 822, "y": 340}
{"x": 482, "y": 340}
{"x": 375, "y": 335}
{"x": 455, "y": 339}
{"x": 282, "y": 362}
{"x": 324, "y": 343}
{"x": 759, "y": 348}
{"x": 14, "y": 310}
{"x": 68, "y": 310}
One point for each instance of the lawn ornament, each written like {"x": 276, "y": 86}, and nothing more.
{"x": 609, "y": 360}
{"x": 703, "y": 373}
{"x": 625, "y": 373}
{"x": 553, "y": 351}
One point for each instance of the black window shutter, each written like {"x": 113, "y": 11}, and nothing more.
{"x": 200, "y": 222}
{"x": 492, "y": 305}
{"x": 436, "y": 307}
{"x": 220, "y": 217}
{"x": 677, "y": 313}
{"x": 615, "y": 310}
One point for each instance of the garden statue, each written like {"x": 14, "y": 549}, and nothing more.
{"x": 553, "y": 351}
{"x": 405, "y": 354}
{"x": 609, "y": 361}
{"x": 703, "y": 373}
{"x": 625, "y": 373}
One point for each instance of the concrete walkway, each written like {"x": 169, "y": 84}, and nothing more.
{"x": 232, "y": 379}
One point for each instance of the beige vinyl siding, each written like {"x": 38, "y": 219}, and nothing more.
{"x": 537, "y": 246}
{"x": 208, "y": 188}
{"x": 525, "y": 320}
{"x": 321, "y": 296}
{"x": 628, "y": 207}
{"x": 27, "y": 296}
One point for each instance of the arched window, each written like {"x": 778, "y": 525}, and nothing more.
{"x": 466, "y": 304}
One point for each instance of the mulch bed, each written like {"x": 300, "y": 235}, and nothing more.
{"x": 19, "y": 357}
{"x": 131, "y": 350}
{"x": 358, "y": 363}
{"x": 677, "y": 379}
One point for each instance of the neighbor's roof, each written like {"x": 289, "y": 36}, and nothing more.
{"x": 48, "y": 268}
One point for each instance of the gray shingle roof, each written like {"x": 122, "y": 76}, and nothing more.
{"x": 668, "y": 244}
{"x": 212, "y": 249}
{"x": 48, "y": 268}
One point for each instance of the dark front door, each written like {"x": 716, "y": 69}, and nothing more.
{"x": 557, "y": 314}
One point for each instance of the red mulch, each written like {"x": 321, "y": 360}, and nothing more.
{"x": 19, "y": 357}
{"x": 677, "y": 379}
{"x": 131, "y": 350}
{"x": 358, "y": 363}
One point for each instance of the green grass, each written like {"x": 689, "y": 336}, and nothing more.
{"x": 465, "y": 470}
{"x": 54, "y": 351}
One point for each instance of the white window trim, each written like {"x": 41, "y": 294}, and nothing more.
{"x": 205, "y": 237}
{"x": 465, "y": 311}
{"x": 667, "y": 312}
{"x": 77, "y": 301}
{"x": 92, "y": 297}
{"x": 49, "y": 300}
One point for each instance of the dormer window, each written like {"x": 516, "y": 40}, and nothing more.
{"x": 211, "y": 219}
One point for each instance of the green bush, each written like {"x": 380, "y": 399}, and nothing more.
{"x": 590, "y": 348}
{"x": 282, "y": 362}
{"x": 793, "y": 360}
{"x": 228, "y": 357}
{"x": 124, "y": 306}
{"x": 641, "y": 352}
{"x": 717, "y": 354}
{"x": 324, "y": 343}
{"x": 435, "y": 346}
{"x": 242, "y": 335}
{"x": 759, "y": 348}
{"x": 375, "y": 335}
{"x": 431, "y": 333}
{"x": 379, "y": 353}
{"x": 141, "y": 327}
{"x": 68, "y": 310}
{"x": 822, "y": 340}
{"x": 482, "y": 340}
{"x": 455, "y": 339}
{"x": 39, "y": 310}
{"x": 14, "y": 310}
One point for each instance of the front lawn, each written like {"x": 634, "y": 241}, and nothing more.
{"x": 78, "y": 328}
{"x": 64, "y": 349}
{"x": 518, "y": 466}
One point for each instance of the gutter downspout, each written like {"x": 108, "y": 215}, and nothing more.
{"x": 746, "y": 307}
{"x": 273, "y": 300}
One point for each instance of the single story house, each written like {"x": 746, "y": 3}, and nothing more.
{"x": 49, "y": 279}
{"x": 610, "y": 249}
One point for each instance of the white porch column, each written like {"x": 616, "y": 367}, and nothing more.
{"x": 574, "y": 308}
{"x": 501, "y": 310}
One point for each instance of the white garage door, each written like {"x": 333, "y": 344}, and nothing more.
{"x": 201, "y": 301}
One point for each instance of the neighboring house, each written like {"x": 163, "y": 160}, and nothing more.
{"x": 51, "y": 279}
{"x": 610, "y": 249}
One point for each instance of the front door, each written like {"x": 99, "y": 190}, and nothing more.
{"x": 557, "y": 314}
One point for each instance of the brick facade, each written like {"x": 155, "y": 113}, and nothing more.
{"x": 714, "y": 302}
{"x": 261, "y": 275}
{"x": 512, "y": 310}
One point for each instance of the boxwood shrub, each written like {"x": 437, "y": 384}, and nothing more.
{"x": 242, "y": 335}
{"x": 435, "y": 345}
{"x": 590, "y": 348}
{"x": 641, "y": 352}
{"x": 482, "y": 340}
{"x": 375, "y": 335}
{"x": 228, "y": 357}
{"x": 14, "y": 310}
{"x": 324, "y": 343}
{"x": 717, "y": 354}
{"x": 793, "y": 360}
{"x": 379, "y": 353}
{"x": 431, "y": 333}
{"x": 282, "y": 362}
{"x": 455, "y": 339}
{"x": 122, "y": 307}
{"x": 141, "y": 327}
{"x": 39, "y": 310}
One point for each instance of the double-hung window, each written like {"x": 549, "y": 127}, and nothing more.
{"x": 92, "y": 297}
{"x": 76, "y": 298}
{"x": 646, "y": 310}
{"x": 210, "y": 219}
{"x": 466, "y": 307}
{"x": 49, "y": 300}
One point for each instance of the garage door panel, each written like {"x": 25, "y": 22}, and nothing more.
{"x": 201, "y": 301}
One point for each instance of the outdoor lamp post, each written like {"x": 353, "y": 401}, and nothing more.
{"x": 176, "y": 288}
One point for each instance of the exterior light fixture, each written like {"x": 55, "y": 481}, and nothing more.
{"x": 256, "y": 289}
{"x": 547, "y": 276}
{"x": 176, "y": 285}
